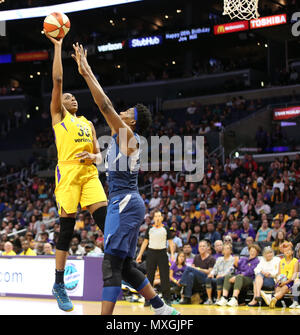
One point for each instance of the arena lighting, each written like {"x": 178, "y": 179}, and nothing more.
{"x": 70, "y": 7}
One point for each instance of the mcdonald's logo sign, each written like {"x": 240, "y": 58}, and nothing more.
{"x": 231, "y": 27}
{"x": 221, "y": 29}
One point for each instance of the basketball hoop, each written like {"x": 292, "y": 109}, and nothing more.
{"x": 241, "y": 9}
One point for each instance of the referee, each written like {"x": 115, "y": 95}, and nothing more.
{"x": 156, "y": 238}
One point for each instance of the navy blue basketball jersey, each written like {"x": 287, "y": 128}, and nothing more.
{"x": 121, "y": 171}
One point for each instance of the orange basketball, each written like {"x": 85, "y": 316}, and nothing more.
{"x": 57, "y": 25}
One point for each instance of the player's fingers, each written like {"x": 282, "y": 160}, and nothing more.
{"x": 80, "y": 154}
{"x": 85, "y": 53}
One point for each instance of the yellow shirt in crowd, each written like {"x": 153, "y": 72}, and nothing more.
{"x": 11, "y": 253}
{"x": 29, "y": 252}
{"x": 287, "y": 268}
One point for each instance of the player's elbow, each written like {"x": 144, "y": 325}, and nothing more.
{"x": 105, "y": 106}
{"x": 57, "y": 79}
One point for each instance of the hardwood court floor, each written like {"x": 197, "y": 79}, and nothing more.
{"x": 26, "y": 306}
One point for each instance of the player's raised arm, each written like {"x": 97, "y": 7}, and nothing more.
{"x": 56, "y": 106}
{"x": 101, "y": 99}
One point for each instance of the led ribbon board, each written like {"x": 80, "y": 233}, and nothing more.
{"x": 145, "y": 41}
{"x": 268, "y": 21}
{"x": 286, "y": 113}
{"x": 187, "y": 35}
{"x": 70, "y": 7}
{"x": 231, "y": 27}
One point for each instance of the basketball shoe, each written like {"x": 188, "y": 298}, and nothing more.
{"x": 64, "y": 302}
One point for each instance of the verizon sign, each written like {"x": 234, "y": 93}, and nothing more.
{"x": 231, "y": 27}
{"x": 268, "y": 21}
{"x": 286, "y": 113}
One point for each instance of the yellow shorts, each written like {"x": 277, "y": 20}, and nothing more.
{"x": 77, "y": 183}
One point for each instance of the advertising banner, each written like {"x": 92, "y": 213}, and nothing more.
{"x": 268, "y": 21}
{"x": 286, "y": 113}
{"x": 32, "y": 56}
{"x": 36, "y": 276}
{"x": 145, "y": 41}
{"x": 231, "y": 27}
{"x": 187, "y": 34}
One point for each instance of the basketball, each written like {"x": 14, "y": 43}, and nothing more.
{"x": 57, "y": 25}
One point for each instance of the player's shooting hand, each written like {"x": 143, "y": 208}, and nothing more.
{"x": 86, "y": 155}
{"x": 80, "y": 58}
{"x": 56, "y": 42}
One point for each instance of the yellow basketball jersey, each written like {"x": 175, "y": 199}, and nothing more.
{"x": 72, "y": 136}
{"x": 287, "y": 269}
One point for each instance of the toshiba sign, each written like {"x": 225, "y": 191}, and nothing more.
{"x": 268, "y": 21}
{"x": 286, "y": 113}
{"x": 231, "y": 27}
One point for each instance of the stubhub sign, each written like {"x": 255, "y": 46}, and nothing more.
{"x": 145, "y": 41}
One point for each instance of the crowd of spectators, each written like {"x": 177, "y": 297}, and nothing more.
{"x": 242, "y": 202}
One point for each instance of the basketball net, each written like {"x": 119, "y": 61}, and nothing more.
{"x": 241, "y": 9}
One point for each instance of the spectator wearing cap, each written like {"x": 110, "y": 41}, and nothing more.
{"x": 176, "y": 240}
{"x": 92, "y": 251}
{"x": 246, "y": 230}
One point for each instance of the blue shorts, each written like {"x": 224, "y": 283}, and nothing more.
{"x": 125, "y": 214}
{"x": 268, "y": 283}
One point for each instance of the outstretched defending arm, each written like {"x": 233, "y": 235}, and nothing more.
{"x": 101, "y": 99}
{"x": 56, "y": 106}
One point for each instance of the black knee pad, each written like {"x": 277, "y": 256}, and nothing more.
{"x": 99, "y": 217}
{"x": 112, "y": 270}
{"x": 131, "y": 274}
{"x": 65, "y": 233}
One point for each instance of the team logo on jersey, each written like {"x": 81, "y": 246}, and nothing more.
{"x": 72, "y": 119}
{"x": 71, "y": 277}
